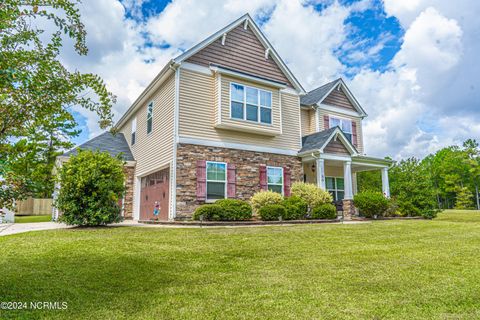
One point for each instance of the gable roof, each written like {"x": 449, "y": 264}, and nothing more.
{"x": 318, "y": 141}
{"x": 316, "y": 96}
{"x": 245, "y": 19}
{"x": 106, "y": 142}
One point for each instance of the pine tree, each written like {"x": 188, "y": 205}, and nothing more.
{"x": 464, "y": 199}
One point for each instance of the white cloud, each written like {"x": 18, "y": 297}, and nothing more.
{"x": 411, "y": 106}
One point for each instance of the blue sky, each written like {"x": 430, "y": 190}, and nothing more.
{"x": 398, "y": 57}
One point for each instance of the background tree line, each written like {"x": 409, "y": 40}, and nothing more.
{"x": 447, "y": 179}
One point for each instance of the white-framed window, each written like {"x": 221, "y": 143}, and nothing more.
{"x": 150, "y": 117}
{"x": 250, "y": 104}
{"x": 275, "y": 179}
{"x": 134, "y": 130}
{"x": 336, "y": 187}
{"x": 216, "y": 180}
{"x": 344, "y": 124}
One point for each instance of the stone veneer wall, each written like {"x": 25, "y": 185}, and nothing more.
{"x": 128, "y": 199}
{"x": 247, "y": 165}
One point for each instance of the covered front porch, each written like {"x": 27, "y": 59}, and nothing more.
{"x": 338, "y": 175}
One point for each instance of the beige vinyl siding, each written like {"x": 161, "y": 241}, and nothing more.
{"x": 154, "y": 150}
{"x": 357, "y": 120}
{"x": 197, "y": 103}
{"x": 308, "y": 121}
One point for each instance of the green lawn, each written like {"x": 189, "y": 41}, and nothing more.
{"x": 414, "y": 269}
{"x": 28, "y": 219}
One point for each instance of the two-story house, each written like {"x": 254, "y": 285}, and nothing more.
{"x": 227, "y": 118}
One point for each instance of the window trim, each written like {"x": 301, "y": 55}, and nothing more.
{"x": 244, "y": 103}
{"x": 133, "y": 135}
{"x": 341, "y": 119}
{"x": 276, "y": 184}
{"x": 207, "y": 181}
{"x": 150, "y": 118}
{"x": 335, "y": 190}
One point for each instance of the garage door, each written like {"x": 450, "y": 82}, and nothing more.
{"x": 155, "y": 190}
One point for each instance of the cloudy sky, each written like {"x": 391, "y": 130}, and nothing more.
{"x": 412, "y": 63}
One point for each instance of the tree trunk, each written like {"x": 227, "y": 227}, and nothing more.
{"x": 476, "y": 194}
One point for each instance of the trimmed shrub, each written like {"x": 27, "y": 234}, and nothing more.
{"x": 392, "y": 209}
{"x": 91, "y": 185}
{"x": 210, "y": 212}
{"x": 313, "y": 195}
{"x": 263, "y": 198}
{"x": 430, "y": 213}
{"x": 324, "y": 211}
{"x": 296, "y": 208}
{"x": 371, "y": 203}
{"x": 235, "y": 209}
{"x": 272, "y": 212}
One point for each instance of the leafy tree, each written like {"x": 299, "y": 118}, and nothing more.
{"x": 91, "y": 184}
{"x": 35, "y": 87}
{"x": 369, "y": 181}
{"x": 412, "y": 187}
{"x": 33, "y": 156}
{"x": 473, "y": 161}
{"x": 464, "y": 199}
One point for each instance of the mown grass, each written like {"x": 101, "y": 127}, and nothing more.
{"x": 414, "y": 269}
{"x": 28, "y": 219}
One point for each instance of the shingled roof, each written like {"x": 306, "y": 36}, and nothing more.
{"x": 317, "y": 94}
{"x": 318, "y": 140}
{"x": 106, "y": 142}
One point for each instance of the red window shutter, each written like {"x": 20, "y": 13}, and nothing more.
{"x": 354, "y": 134}
{"x": 263, "y": 177}
{"x": 231, "y": 180}
{"x": 201, "y": 180}
{"x": 326, "y": 122}
{"x": 287, "y": 181}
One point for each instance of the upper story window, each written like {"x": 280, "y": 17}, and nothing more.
{"x": 150, "y": 117}
{"x": 134, "y": 130}
{"x": 344, "y": 124}
{"x": 249, "y": 103}
{"x": 216, "y": 180}
{"x": 275, "y": 179}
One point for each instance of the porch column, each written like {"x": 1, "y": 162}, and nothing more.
{"x": 320, "y": 164}
{"x": 348, "y": 208}
{"x": 347, "y": 177}
{"x": 385, "y": 184}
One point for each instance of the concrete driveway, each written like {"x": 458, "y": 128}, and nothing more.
{"x": 13, "y": 228}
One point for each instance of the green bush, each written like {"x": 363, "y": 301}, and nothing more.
{"x": 371, "y": 203}
{"x": 263, "y": 198}
{"x": 324, "y": 211}
{"x": 272, "y": 212}
{"x": 235, "y": 209}
{"x": 210, "y": 212}
{"x": 296, "y": 208}
{"x": 91, "y": 185}
{"x": 313, "y": 195}
{"x": 430, "y": 213}
{"x": 392, "y": 209}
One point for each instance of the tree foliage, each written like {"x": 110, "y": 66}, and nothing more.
{"x": 91, "y": 185}
{"x": 37, "y": 91}
{"x": 442, "y": 180}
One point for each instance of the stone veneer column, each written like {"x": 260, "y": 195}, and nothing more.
{"x": 128, "y": 199}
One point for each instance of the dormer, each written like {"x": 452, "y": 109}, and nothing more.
{"x": 333, "y": 105}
